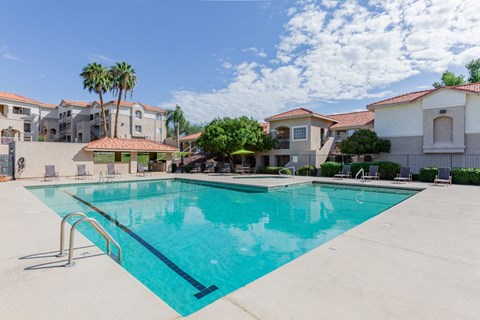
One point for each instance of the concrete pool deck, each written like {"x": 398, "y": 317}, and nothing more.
{"x": 418, "y": 260}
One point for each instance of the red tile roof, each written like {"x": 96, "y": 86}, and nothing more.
{"x": 130, "y": 104}
{"x": 193, "y": 136}
{"x": 404, "y": 98}
{"x": 412, "y": 96}
{"x": 19, "y": 98}
{"x": 121, "y": 144}
{"x": 82, "y": 104}
{"x": 49, "y": 105}
{"x": 352, "y": 119}
{"x": 295, "y": 113}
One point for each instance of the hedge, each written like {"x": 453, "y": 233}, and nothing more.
{"x": 466, "y": 176}
{"x": 272, "y": 170}
{"x": 329, "y": 169}
{"x": 388, "y": 170}
{"x": 307, "y": 170}
{"x": 428, "y": 174}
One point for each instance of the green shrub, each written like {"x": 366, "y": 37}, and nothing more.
{"x": 466, "y": 176}
{"x": 187, "y": 168}
{"x": 388, "y": 170}
{"x": 428, "y": 174}
{"x": 329, "y": 169}
{"x": 307, "y": 170}
{"x": 272, "y": 170}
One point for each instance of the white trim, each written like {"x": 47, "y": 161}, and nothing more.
{"x": 292, "y": 134}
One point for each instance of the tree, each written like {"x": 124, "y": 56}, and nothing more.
{"x": 175, "y": 117}
{"x": 96, "y": 78}
{"x": 473, "y": 70}
{"x": 450, "y": 79}
{"x": 228, "y": 135}
{"x": 364, "y": 141}
{"x": 123, "y": 80}
{"x": 191, "y": 128}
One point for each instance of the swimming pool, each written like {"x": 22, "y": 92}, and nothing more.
{"x": 192, "y": 243}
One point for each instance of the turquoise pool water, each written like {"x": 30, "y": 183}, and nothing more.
{"x": 191, "y": 243}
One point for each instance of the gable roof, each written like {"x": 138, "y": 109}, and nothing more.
{"x": 18, "y": 98}
{"x": 297, "y": 113}
{"x": 122, "y": 144}
{"x": 191, "y": 137}
{"x": 75, "y": 103}
{"x": 412, "y": 96}
{"x": 352, "y": 119}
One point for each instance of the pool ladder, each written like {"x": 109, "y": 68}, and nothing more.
{"x": 284, "y": 171}
{"x": 96, "y": 226}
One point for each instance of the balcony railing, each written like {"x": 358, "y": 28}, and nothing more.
{"x": 7, "y": 140}
{"x": 282, "y": 144}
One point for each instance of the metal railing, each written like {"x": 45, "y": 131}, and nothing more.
{"x": 358, "y": 173}
{"x": 94, "y": 223}
{"x": 284, "y": 171}
{"x": 7, "y": 140}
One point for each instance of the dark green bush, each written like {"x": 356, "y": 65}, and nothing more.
{"x": 466, "y": 176}
{"x": 272, "y": 170}
{"x": 329, "y": 169}
{"x": 307, "y": 170}
{"x": 187, "y": 168}
{"x": 428, "y": 174}
{"x": 388, "y": 170}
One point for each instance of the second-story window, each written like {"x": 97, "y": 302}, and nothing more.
{"x": 299, "y": 133}
{"x": 69, "y": 113}
{"x": 159, "y": 116}
{"x": 27, "y": 127}
{"x": 138, "y": 129}
{"x": 138, "y": 114}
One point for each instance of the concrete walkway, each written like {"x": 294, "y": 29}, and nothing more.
{"x": 417, "y": 260}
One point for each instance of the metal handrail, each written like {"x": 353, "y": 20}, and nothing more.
{"x": 62, "y": 230}
{"x": 360, "y": 171}
{"x": 292, "y": 171}
{"x": 108, "y": 238}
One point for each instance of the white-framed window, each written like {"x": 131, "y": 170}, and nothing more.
{"x": 138, "y": 114}
{"x": 299, "y": 133}
{"x": 159, "y": 116}
{"x": 138, "y": 129}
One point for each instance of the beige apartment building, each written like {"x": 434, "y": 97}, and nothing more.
{"x": 305, "y": 137}
{"x": 25, "y": 119}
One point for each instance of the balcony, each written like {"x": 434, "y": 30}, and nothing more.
{"x": 282, "y": 144}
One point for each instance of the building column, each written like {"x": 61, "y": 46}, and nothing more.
{"x": 168, "y": 160}
{"x": 133, "y": 162}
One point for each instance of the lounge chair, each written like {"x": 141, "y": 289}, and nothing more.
{"x": 443, "y": 177}
{"x": 345, "y": 173}
{"x": 50, "y": 172}
{"x": 239, "y": 168}
{"x": 247, "y": 168}
{"x": 404, "y": 176}
{"x": 226, "y": 168}
{"x": 82, "y": 172}
{"x": 141, "y": 170}
{"x": 210, "y": 168}
{"x": 197, "y": 168}
{"x": 372, "y": 174}
{"x": 111, "y": 172}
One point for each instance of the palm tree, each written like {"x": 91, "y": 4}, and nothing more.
{"x": 96, "y": 78}
{"x": 175, "y": 117}
{"x": 123, "y": 80}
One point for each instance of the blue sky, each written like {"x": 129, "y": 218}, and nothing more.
{"x": 229, "y": 58}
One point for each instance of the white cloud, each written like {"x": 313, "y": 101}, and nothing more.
{"x": 9, "y": 55}
{"x": 352, "y": 51}
{"x": 95, "y": 57}
{"x": 257, "y": 52}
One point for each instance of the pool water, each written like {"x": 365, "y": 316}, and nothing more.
{"x": 192, "y": 244}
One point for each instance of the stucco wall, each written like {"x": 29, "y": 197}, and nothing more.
{"x": 443, "y": 99}
{"x": 472, "y": 114}
{"x": 404, "y": 120}
{"x": 64, "y": 156}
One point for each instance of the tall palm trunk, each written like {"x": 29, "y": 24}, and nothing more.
{"x": 177, "y": 135}
{"x": 104, "y": 120}
{"x": 117, "y": 113}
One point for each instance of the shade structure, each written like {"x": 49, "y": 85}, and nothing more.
{"x": 242, "y": 152}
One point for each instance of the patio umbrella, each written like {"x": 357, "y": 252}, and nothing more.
{"x": 242, "y": 152}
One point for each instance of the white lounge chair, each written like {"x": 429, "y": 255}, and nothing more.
{"x": 345, "y": 173}
{"x": 372, "y": 174}
{"x": 443, "y": 177}
{"x": 404, "y": 176}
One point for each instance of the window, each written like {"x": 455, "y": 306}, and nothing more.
{"x": 106, "y": 113}
{"x": 27, "y": 127}
{"x": 69, "y": 113}
{"x": 299, "y": 133}
{"x": 59, "y": 116}
{"x": 159, "y": 116}
{"x": 91, "y": 117}
{"x": 138, "y": 114}
{"x": 138, "y": 129}
{"x": 159, "y": 131}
